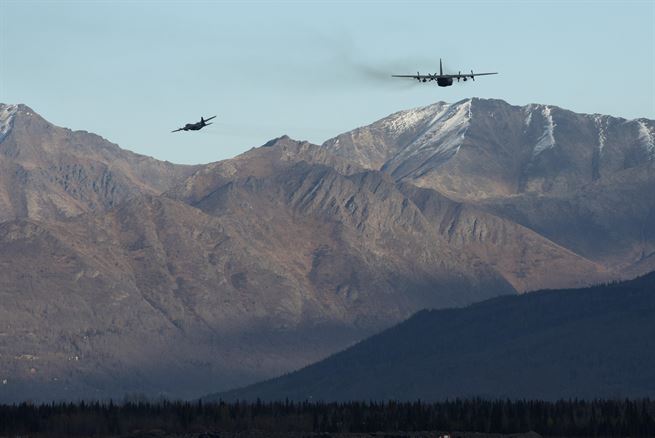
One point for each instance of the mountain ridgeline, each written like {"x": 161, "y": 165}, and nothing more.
{"x": 585, "y": 343}
{"x": 121, "y": 274}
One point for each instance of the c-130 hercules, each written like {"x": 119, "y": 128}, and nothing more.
{"x": 196, "y": 126}
{"x": 442, "y": 79}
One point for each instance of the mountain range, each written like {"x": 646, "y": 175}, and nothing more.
{"x": 121, "y": 274}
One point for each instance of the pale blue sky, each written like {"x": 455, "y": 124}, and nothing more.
{"x": 133, "y": 71}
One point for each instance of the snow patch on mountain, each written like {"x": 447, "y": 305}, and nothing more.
{"x": 7, "y": 113}
{"x": 528, "y": 119}
{"x": 446, "y": 130}
{"x": 438, "y": 115}
{"x": 405, "y": 120}
{"x": 602, "y": 137}
{"x": 547, "y": 139}
{"x": 646, "y": 137}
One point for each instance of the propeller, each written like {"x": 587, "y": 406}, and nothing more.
{"x": 472, "y": 76}
{"x": 460, "y": 73}
{"x": 418, "y": 76}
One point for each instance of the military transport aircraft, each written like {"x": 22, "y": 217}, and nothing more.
{"x": 442, "y": 79}
{"x": 195, "y": 126}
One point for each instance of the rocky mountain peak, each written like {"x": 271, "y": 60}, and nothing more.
{"x": 283, "y": 139}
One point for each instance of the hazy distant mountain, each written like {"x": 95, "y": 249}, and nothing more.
{"x": 584, "y": 343}
{"x": 120, "y": 273}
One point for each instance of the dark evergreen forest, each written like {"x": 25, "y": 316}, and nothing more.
{"x": 562, "y": 418}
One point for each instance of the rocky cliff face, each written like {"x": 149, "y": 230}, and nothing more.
{"x": 120, "y": 273}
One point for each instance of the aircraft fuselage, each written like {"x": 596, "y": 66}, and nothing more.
{"x": 444, "y": 82}
{"x": 193, "y": 126}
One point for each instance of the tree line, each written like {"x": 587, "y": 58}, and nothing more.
{"x": 561, "y": 418}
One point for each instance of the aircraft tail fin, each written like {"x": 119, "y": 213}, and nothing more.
{"x": 202, "y": 119}
{"x": 440, "y": 68}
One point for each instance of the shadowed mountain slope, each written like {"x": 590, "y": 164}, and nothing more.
{"x": 585, "y": 343}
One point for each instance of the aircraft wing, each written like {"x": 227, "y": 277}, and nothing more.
{"x": 208, "y": 119}
{"x": 470, "y": 75}
{"x": 179, "y": 129}
{"x": 435, "y": 76}
{"x": 415, "y": 76}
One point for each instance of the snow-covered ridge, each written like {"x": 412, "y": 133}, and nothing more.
{"x": 7, "y": 113}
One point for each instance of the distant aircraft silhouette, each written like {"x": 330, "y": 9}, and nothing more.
{"x": 442, "y": 79}
{"x": 195, "y": 126}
